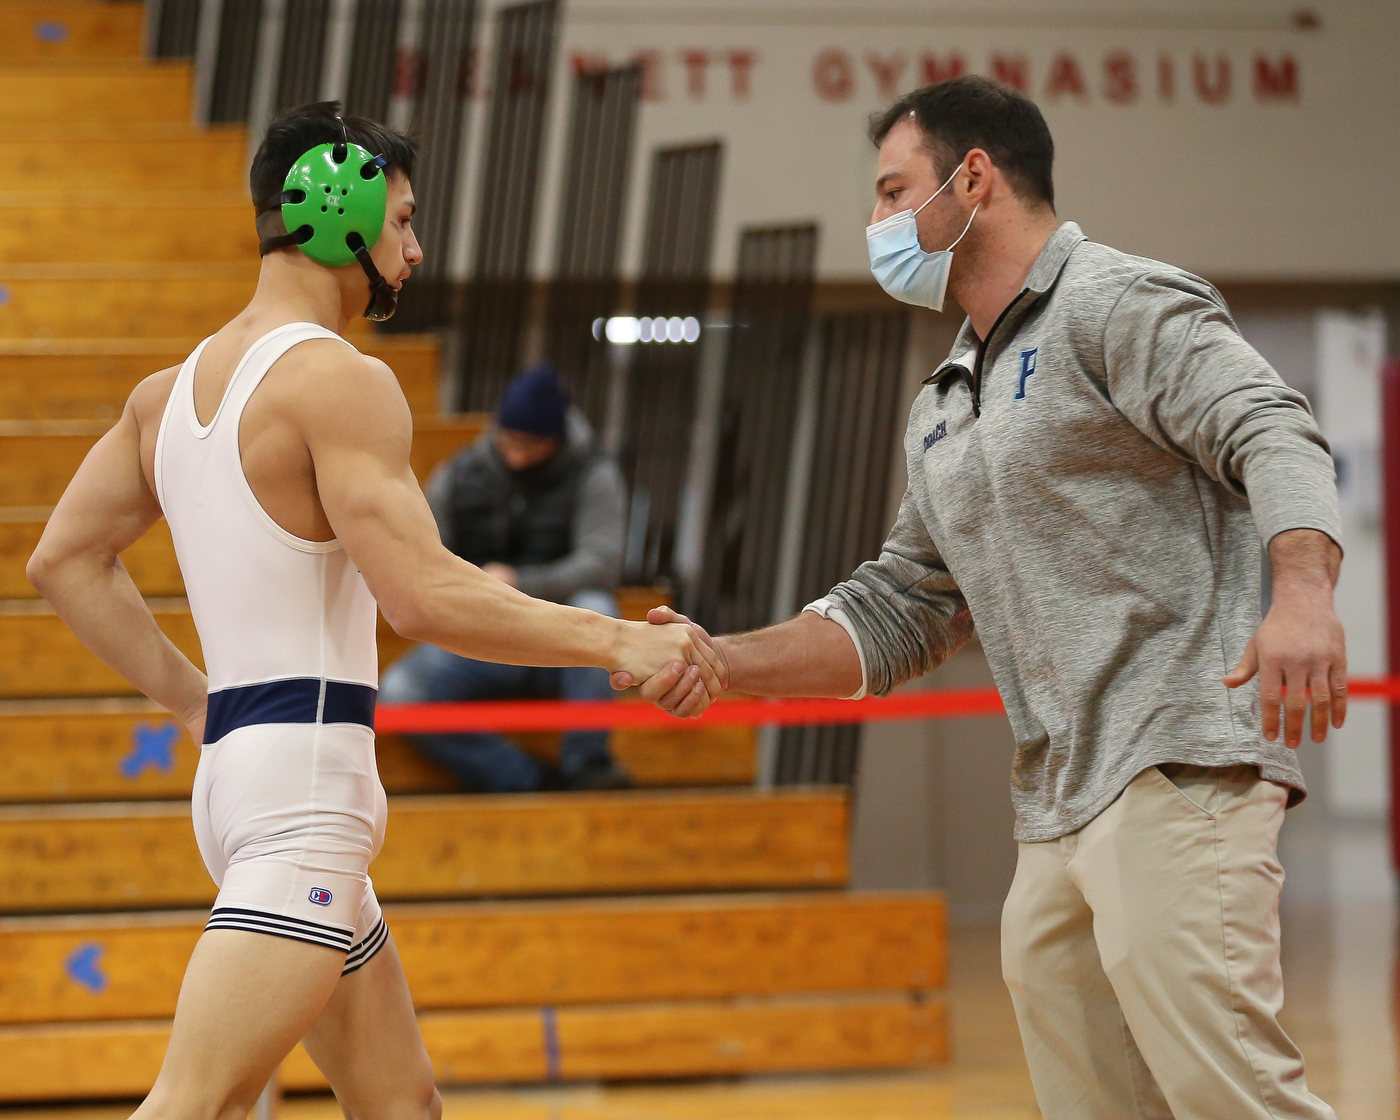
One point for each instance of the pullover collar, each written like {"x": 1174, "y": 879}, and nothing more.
{"x": 1049, "y": 263}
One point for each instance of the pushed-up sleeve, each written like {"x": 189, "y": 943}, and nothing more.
{"x": 903, "y": 611}
{"x": 1178, "y": 369}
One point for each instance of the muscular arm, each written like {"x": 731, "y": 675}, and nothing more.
{"x": 357, "y": 427}
{"x": 106, "y": 509}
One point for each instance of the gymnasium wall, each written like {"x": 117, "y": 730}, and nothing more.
{"x": 1241, "y": 140}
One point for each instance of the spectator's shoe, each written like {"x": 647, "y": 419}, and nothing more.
{"x": 600, "y": 776}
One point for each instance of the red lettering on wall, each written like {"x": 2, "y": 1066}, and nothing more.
{"x": 1065, "y": 77}
{"x": 468, "y": 74}
{"x": 834, "y": 75}
{"x": 740, "y": 73}
{"x": 1166, "y": 77}
{"x": 1213, "y": 89}
{"x": 1275, "y": 82}
{"x": 407, "y": 76}
{"x": 520, "y": 74}
{"x": 886, "y": 71}
{"x": 587, "y": 62}
{"x": 1120, "y": 84}
{"x": 1011, "y": 70}
{"x": 697, "y": 62}
{"x": 936, "y": 71}
{"x": 650, "y": 62}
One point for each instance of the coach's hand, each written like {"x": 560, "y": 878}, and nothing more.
{"x": 678, "y": 688}
{"x": 1300, "y": 646}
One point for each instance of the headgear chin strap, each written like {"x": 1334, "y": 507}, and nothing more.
{"x": 336, "y": 196}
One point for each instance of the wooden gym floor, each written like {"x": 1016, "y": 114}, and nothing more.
{"x": 1339, "y": 944}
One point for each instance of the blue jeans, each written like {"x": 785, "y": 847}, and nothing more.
{"x": 484, "y": 761}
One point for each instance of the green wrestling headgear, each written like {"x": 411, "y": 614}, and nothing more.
{"x": 332, "y": 203}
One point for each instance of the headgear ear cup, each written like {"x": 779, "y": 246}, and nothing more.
{"x": 335, "y": 209}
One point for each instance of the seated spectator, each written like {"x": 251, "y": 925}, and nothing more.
{"x": 536, "y": 505}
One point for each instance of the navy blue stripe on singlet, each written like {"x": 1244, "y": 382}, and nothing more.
{"x": 293, "y": 700}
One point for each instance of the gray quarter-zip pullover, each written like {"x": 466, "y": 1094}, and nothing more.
{"x": 1082, "y": 487}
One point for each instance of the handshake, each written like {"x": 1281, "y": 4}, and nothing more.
{"x": 679, "y": 667}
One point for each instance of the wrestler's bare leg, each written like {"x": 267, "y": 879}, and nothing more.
{"x": 246, "y": 1000}
{"x": 367, "y": 1044}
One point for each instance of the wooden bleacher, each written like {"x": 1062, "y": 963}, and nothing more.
{"x": 695, "y": 926}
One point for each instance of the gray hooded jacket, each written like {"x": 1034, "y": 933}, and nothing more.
{"x": 1082, "y": 486}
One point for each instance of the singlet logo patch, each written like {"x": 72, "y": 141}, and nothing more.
{"x": 320, "y": 896}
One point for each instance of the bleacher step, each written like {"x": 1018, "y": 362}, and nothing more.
{"x": 512, "y": 954}
{"x": 91, "y": 378}
{"x": 38, "y": 458}
{"x": 58, "y": 30}
{"x": 132, "y": 226}
{"x": 630, "y": 1041}
{"x": 56, "y": 91}
{"x": 205, "y": 163}
{"x": 122, "y": 750}
{"x": 56, "y": 858}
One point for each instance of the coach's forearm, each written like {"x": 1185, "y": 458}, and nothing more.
{"x": 102, "y": 606}
{"x": 805, "y": 656}
{"x": 1304, "y": 562}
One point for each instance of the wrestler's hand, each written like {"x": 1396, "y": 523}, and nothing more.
{"x": 666, "y": 649}
{"x": 193, "y": 719}
{"x": 677, "y": 688}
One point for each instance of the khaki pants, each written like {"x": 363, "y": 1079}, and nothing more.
{"x": 1142, "y": 954}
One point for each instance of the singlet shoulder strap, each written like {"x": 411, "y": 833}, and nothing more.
{"x": 260, "y": 358}
{"x": 181, "y": 397}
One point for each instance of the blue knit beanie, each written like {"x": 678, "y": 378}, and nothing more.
{"x": 534, "y": 402}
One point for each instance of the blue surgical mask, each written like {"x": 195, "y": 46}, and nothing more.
{"x": 903, "y": 269}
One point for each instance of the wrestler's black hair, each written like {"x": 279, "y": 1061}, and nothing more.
{"x": 975, "y": 112}
{"x": 294, "y": 132}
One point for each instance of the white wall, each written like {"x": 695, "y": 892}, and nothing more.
{"x": 1238, "y": 182}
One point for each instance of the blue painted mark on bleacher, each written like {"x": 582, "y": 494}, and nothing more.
{"x": 152, "y": 747}
{"x": 4, "y": 295}
{"x": 50, "y": 31}
{"x": 84, "y": 967}
{"x": 549, "y": 1020}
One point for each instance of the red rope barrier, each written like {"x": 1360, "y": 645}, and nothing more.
{"x": 591, "y": 715}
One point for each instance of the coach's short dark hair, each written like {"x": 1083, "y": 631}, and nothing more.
{"x": 975, "y": 112}
{"x": 294, "y": 132}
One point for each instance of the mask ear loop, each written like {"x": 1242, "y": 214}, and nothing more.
{"x": 967, "y": 227}
{"x": 940, "y": 190}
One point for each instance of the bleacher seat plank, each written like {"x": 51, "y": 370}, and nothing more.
{"x": 133, "y": 855}
{"x": 90, "y": 379}
{"x": 207, "y": 162}
{"x": 122, "y": 300}
{"x": 445, "y": 846}
{"x": 502, "y": 954}
{"x": 134, "y": 227}
{"x": 121, "y": 750}
{"x": 41, "y": 657}
{"x": 45, "y": 30}
{"x": 150, "y": 561}
{"x": 38, "y": 458}
{"x": 868, "y": 1032}
{"x": 99, "y": 92}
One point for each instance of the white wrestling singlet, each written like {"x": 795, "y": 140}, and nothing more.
{"x": 288, "y": 807}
